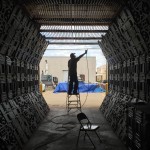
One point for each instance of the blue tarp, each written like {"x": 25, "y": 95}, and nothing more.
{"x": 83, "y": 88}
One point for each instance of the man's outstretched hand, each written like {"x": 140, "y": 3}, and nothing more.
{"x": 85, "y": 51}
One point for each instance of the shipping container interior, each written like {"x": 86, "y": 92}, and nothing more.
{"x": 121, "y": 28}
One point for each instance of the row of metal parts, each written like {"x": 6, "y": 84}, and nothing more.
{"x": 19, "y": 35}
{"x": 127, "y": 37}
{"x": 19, "y": 118}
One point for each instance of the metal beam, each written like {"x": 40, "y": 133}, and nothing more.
{"x": 92, "y": 19}
{"x": 71, "y": 43}
{"x": 73, "y": 38}
{"x": 72, "y": 49}
{"x": 74, "y": 31}
{"x": 50, "y": 23}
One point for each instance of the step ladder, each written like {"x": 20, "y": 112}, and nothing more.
{"x": 73, "y": 102}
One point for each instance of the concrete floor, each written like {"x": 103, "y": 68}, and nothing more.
{"x": 59, "y": 130}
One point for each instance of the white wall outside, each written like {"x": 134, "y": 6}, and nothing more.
{"x": 65, "y": 75}
{"x": 57, "y": 64}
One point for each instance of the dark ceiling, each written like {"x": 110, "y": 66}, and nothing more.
{"x": 63, "y": 18}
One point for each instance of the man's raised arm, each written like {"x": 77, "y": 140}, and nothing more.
{"x": 82, "y": 54}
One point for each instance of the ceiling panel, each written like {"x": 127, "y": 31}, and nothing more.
{"x": 73, "y": 18}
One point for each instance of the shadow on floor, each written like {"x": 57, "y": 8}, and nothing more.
{"x": 59, "y": 131}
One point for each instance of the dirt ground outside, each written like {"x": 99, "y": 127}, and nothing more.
{"x": 87, "y": 99}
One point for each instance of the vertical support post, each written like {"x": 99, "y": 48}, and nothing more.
{"x": 106, "y": 88}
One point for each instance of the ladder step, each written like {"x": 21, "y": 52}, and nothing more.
{"x": 74, "y": 94}
{"x": 73, "y": 107}
{"x": 74, "y": 101}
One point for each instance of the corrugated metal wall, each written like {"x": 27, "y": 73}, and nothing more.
{"x": 126, "y": 47}
{"x": 22, "y": 107}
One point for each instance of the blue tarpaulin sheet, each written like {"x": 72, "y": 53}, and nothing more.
{"x": 83, "y": 88}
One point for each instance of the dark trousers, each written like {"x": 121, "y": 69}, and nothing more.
{"x": 73, "y": 84}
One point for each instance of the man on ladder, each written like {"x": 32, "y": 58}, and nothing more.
{"x": 73, "y": 79}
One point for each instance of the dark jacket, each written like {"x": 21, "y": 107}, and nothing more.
{"x": 72, "y": 65}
